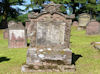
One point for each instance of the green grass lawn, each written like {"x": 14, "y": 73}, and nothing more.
{"x": 89, "y": 63}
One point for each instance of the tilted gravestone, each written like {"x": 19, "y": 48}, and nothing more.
{"x": 93, "y": 28}
{"x": 50, "y": 41}
{"x": 84, "y": 19}
{"x": 17, "y": 35}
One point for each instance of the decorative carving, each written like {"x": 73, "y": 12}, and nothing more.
{"x": 52, "y": 7}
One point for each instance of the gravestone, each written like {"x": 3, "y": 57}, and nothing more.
{"x": 93, "y": 28}
{"x": 75, "y": 23}
{"x": 17, "y": 35}
{"x": 50, "y": 41}
{"x": 84, "y": 19}
{"x": 5, "y": 34}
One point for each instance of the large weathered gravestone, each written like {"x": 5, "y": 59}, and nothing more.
{"x": 93, "y": 28}
{"x": 17, "y": 35}
{"x": 50, "y": 41}
{"x": 84, "y": 19}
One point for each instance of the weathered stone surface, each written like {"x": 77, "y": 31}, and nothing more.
{"x": 49, "y": 34}
{"x": 35, "y": 55}
{"x": 93, "y": 28}
{"x": 49, "y": 68}
{"x": 17, "y": 35}
{"x": 84, "y": 19}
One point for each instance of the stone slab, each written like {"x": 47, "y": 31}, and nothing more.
{"x": 54, "y": 68}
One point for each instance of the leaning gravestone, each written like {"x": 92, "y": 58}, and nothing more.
{"x": 93, "y": 28}
{"x": 50, "y": 41}
{"x": 17, "y": 35}
{"x": 84, "y": 19}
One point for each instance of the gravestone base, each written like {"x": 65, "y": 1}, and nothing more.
{"x": 48, "y": 68}
{"x": 48, "y": 59}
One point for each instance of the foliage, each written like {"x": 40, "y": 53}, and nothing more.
{"x": 21, "y": 18}
{"x": 80, "y": 1}
{"x": 63, "y": 9}
{"x": 7, "y": 10}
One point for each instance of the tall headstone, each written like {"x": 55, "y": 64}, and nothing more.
{"x": 84, "y": 19}
{"x": 93, "y": 28}
{"x": 50, "y": 41}
{"x": 17, "y": 35}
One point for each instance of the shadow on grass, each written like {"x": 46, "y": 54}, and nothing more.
{"x": 28, "y": 44}
{"x": 2, "y": 59}
{"x": 75, "y": 57}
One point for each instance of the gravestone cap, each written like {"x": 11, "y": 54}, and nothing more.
{"x": 84, "y": 15}
{"x": 15, "y": 25}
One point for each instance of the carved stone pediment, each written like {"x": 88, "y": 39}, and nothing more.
{"x": 52, "y": 7}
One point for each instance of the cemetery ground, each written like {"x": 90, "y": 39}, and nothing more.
{"x": 85, "y": 57}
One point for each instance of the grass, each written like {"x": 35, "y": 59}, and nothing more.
{"x": 89, "y": 63}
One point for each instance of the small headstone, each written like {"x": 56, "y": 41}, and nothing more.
{"x": 84, "y": 19}
{"x": 5, "y": 34}
{"x": 17, "y": 35}
{"x": 93, "y": 28}
{"x": 75, "y": 23}
{"x": 50, "y": 41}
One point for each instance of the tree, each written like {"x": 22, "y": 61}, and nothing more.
{"x": 6, "y": 10}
